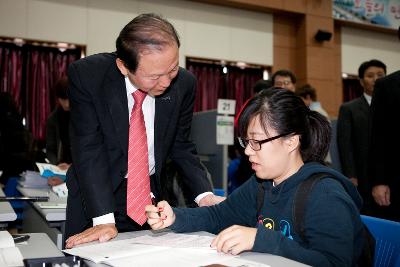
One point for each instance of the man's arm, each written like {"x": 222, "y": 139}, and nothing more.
{"x": 89, "y": 158}
{"x": 378, "y": 126}
{"x": 51, "y": 139}
{"x": 184, "y": 153}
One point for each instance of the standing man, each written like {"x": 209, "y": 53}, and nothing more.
{"x": 284, "y": 79}
{"x": 352, "y": 131}
{"x": 58, "y": 148}
{"x": 130, "y": 111}
{"x": 384, "y": 156}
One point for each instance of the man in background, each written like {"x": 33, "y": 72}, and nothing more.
{"x": 284, "y": 79}
{"x": 352, "y": 131}
{"x": 309, "y": 96}
{"x": 130, "y": 112}
{"x": 58, "y": 148}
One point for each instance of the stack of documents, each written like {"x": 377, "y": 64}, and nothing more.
{"x": 10, "y": 255}
{"x": 31, "y": 179}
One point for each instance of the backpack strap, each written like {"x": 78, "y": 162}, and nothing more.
{"x": 260, "y": 198}
{"x": 300, "y": 200}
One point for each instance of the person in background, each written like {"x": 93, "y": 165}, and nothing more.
{"x": 261, "y": 85}
{"x": 384, "y": 153}
{"x": 286, "y": 143}
{"x": 58, "y": 148}
{"x": 15, "y": 140}
{"x": 284, "y": 79}
{"x": 353, "y": 128}
{"x": 130, "y": 112}
{"x": 309, "y": 96}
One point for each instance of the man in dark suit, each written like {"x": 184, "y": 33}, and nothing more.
{"x": 58, "y": 149}
{"x": 384, "y": 150}
{"x": 101, "y": 97}
{"x": 352, "y": 131}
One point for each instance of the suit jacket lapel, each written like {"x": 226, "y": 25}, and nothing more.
{"x": 116, "y": 99}
{"x": 164, "y": 109}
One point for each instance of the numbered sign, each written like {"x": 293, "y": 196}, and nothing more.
{"x": 225, "y": 130}
{"x": 226, "y": 106}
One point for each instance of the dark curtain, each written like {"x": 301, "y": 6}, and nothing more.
{"x": 240, "y": 84}
{"x": 351, "y": 89}
{"x": 29, "y": 72}
{"x": 11, "y": 61}
{"x": 212, "y": 84}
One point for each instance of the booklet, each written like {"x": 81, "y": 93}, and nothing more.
{"x": 156, "y": 249}
{"x": 10, "y": 255}
{"x": 47, "y": 170}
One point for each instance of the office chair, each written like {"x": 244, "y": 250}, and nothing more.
{"x": 387, "y": 237}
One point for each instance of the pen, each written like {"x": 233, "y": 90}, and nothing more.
{"x": 24, "y": 198}
{"x": 154, "y": 203}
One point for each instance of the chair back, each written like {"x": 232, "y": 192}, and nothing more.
{"x": 387, "y": 236}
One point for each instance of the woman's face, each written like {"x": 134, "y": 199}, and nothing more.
{"x": 272, "y": 160}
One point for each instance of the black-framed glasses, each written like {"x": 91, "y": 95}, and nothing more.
{"x": 256, "y": 144}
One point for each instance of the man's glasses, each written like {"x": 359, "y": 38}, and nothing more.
{"x": 256, "y": 144}
{"x": 281, "y": 83}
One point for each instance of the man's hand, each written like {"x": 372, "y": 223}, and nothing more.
{"x": 235, "y": 239}
{"x": 63, "y": 166}
{"x": 101, "y": 232}
{"x": 54, "y": 180}
{"x": 210, "y": 200}
{"x": 354, "y": 181}
{"x": 381, "y": 194}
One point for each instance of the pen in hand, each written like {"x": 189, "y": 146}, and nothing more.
{"x": 154, "y": 203}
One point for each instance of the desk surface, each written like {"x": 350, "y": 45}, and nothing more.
{"x": 49, "y": 214}
{"x": 39, "y": 245}
{"x": 269, "y": 259}
{"x": 7, "y": 213}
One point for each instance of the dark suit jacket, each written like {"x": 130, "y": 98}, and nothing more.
{"x": 99, "y": 138}
{"x": 385, "y": 147}
{"x": 58, "y": 149}
{"x": 352, "y": 141}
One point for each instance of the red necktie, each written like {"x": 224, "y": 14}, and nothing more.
{"x": 138, "y": 192}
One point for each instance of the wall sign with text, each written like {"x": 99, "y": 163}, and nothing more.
{"x": 384, "y": 13}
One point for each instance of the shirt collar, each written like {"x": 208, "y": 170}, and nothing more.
{"x": 130, "y": 88}
{"x": 368, "y": 98}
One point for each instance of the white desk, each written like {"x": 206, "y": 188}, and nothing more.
{"x": 49, "y": 221}
{"x": 7, "y": 213}
{"x": 272, "y": 260}
{"x": 39, "y": 245}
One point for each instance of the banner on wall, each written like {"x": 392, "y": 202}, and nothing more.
{"x": 384, "y": 13}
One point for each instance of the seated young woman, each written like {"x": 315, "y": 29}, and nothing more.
{"x": 286, "y": 143}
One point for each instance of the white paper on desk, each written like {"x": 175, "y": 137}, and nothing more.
{"x": 101, "y": 252}
{"x": 9, "y": 254}
{"x": 174, "y": 240}
{"x": 173, "y": 257}
{"x": 6, "y": 240}
{"x": 60, "y": 190}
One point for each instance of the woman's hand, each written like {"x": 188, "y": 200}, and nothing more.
{"x": 235, "y": 239}
{"x": 161, "y": 216}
